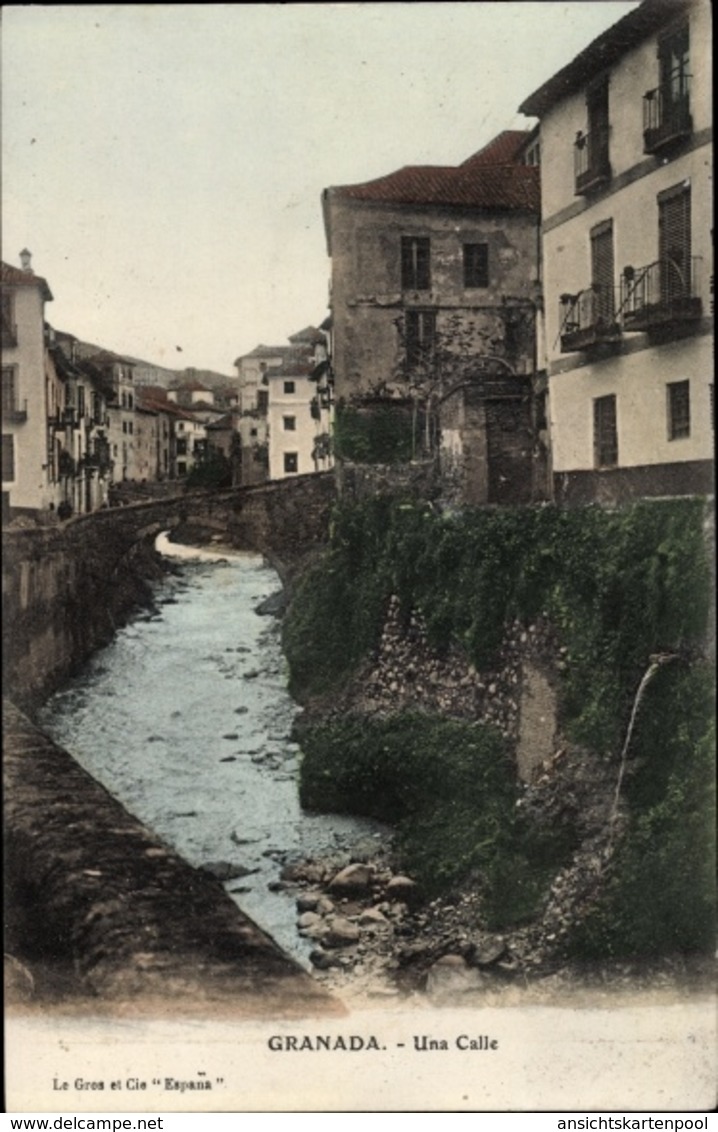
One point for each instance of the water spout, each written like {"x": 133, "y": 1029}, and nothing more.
{"x": 656, "y": 663}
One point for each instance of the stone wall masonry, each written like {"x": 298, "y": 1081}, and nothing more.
{"x": 92, "y": 893}
{"x": 518, "y": 696}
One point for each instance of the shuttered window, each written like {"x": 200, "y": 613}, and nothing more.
{"x": 476, "y": 265}
{"x": 415, "y": 263}
{"x": 602, "y": 272}
{"x": 605, "y": 435}
{"x": 679, "y": 409}
{"x": 8, "y": 458}
{"x": 674, "y": 243}
{"x": 9, "y": 389}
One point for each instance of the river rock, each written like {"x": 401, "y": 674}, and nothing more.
{"x": 322, "y": 960}
{"x": 308, "y": 901}
{"x": 402, "y": 888}
{"x": 341, "y": 933}
{"x": 272, "y": 606}
{"x": 354, "y": 880}
{"x": 310, "y": 871}
{"x": 372, "y": 917}
{"x": 308, "y": 920}
{"x": 225, "y": 870}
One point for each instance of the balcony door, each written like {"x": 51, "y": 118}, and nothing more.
{"x": 674, "y": 244}
{"x": 602, "y": 273}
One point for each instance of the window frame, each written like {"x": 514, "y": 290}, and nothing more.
{"x": 476, "y": 266}
{"x": 605, "y": 448}
{"x": 415, "y": 263}
{"x": 288, "y": 457}
{"x": 9, "y": 389}
{"x": 678, "y": 414}
{"x": 8, "y": 458}
{"x": 289, "y": 424}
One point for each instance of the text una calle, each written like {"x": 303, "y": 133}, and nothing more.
{"x": 480, "y": 1043}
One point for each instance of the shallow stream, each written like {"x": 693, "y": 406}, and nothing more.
{"x": 186, "y": 719}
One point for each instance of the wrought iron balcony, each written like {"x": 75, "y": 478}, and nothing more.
{"x": 592, "y": 168}
{"x": 14, "y": 413}
{"x": 588, "y": 319}
{"x": 661, "y": 295}
{"x": 666, "y": 116}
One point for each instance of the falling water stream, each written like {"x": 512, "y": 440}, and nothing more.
{"x": 186, "y": 718}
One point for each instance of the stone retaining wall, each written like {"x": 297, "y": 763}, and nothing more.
{"x": 92, "y": 892}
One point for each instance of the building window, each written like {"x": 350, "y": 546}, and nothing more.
{"x": 679, "y": 409}
{"x": 290, "y": 387}
{"x": 182, "y": 447}
{"x": 289, "y": 424}
{"x": 666, "y": 109}
{"x": 81, "y": 400}
{"x": 291, "y": 462}
{"x": 591, "y": 163}
{"x": 181, "y": 468}
{"x": 9, "y": 329}
{"x": 415, "y": 263}
{"x": 602, "y": 273}
{"x": 476, "y": 265}
{"x": 130, "y": 427}
{"x": 252, "y": 432}
{"x": 9, "y": 389}
{"x": 8, "y": 458}
{"x": 124, "y": 426}
{"x": 674, "y": 243}
{"x": 420, "y": 336}
{"x": 605, "y": 435}
{"x": 263, "y": 398}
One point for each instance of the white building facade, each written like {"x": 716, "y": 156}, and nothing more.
{"x": 626, "y": 144}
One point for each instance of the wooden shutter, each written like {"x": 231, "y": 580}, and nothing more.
{"x": 674, "y": 244}
{"x": 602, "y": 272}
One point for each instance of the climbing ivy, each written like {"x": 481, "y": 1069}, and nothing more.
{"x": 617, "y": 587}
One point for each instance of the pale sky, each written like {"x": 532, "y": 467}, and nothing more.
{"x": 164, "y": 163}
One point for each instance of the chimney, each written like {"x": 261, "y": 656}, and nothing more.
{"x": 25, "y": 258}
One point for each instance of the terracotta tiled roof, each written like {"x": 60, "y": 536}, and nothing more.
{"x": 493, "y": 178}
{"x": 13, "y": 277}
{"x": 498, "y": 187}
{"x": 505, "y": 149}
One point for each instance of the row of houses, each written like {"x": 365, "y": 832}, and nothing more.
{"x": 547, "y": 304}
{"x": 537, "y": 320}
{"x": 84, "y": 427}
{"x": 79, "y": 421}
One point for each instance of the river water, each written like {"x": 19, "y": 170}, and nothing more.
{"x": 185, "y": 718}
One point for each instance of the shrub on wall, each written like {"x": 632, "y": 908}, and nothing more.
{"x": 376, "y": 434}
{"x": 618, "y": 587}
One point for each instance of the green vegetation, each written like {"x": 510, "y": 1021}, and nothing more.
{"x": 450, "y": 789}
{"x": 214, "y": 471}
{"x": 380, "y": 434}
{"x": 618, "y": 587}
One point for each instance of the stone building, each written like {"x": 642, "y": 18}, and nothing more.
{"x": 625, "y": 136}
{"x": 299, "y": 413}
{"x": 435, "y": 281}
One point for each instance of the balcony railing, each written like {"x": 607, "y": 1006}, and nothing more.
{"x": 663, "y": 294}
{"x": 588, "y": 319}
{"x": 666, "y": 116}
{"x": 14, "y": 413}
{"x": 65, "y": 418}
{"x": 591, "y": 165}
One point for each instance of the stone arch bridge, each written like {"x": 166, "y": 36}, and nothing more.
{"x": 67, "y": 587}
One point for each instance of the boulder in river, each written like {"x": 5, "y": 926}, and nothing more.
{"x": 341, "y": 933}
{"x": 354, "y": 880}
